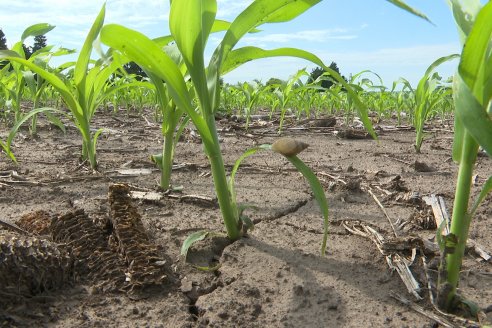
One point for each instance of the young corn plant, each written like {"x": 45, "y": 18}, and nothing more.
{"x": 17, "y": 86}
{"x": 427, "y": 98}
{"x": 472, "y": 95}
{"x": 403, "y": 99}
{"x": 285, "y": 93}
{"x": 190, "y": 23}
{"x": 37, "y": 85}
{"x": 82, "y": 94}
{"x": 172, "y": 115}
{"x": 251, "y": 92}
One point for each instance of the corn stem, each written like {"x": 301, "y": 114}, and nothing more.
{"x": 167, "y": 158}
{"x": 460, "y": 222}
{"x": 226, "y": 204}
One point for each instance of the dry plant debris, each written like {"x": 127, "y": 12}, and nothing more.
{"x": 145, "y": 266}
{"x": 115, "y": 256}
{"x": 94, "y": 257}
{"x": 30, "y": 265}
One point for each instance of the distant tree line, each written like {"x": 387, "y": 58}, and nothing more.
{"x": 133, "y": 68}
{"x": 39, "y": 43}
{"x": 326, "y": 83}
{"x": 315, "y": 73}
{"x": 3, "y": 46}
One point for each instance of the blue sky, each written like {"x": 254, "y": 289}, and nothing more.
{"x": 356, "y": 34}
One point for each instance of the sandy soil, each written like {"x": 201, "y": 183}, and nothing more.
{"x": 273, "y": 277}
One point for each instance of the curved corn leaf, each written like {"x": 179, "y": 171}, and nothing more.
{"x": 464, "y": 14}
{"x": 191, "y": 239}
{"x": 486, "y": 188}
{"x": 96, "y": 135}
{"x": 13, "y": 131}
{"x": 196, "y": 237}
{"x": 245, "y": 54}
{"x": 473, "y": 116}
{"x": 319, "y": 194}
{"x": 35, "y": 30}
{"x": 147, "y": 54}
{"x": 259, "y": 12}
{"x": 55, "y": 121}
{"x": 54, "y": 80}
{"x": 238, "y": 162}
{"x": 242, "y": 55}
{"x": 404, "y": 6}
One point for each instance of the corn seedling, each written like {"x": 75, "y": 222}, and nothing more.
{"x": 7, "y": 144}
{"x": 426, "y": 98}
{"x": 473, "y": 128}
{"x": 404, "y": 98}
{"x": 285, "y": 94}
{"x": 251, "y": 92}
{"x": 82, "y": 94}
{"x": 17, "y": 86}
{"x": 37, "y": 85}
{"x": 191, "y": 22}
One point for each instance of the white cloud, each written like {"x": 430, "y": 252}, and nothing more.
{"x": 74, "y": 18}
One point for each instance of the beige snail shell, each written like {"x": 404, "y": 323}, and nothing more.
{"x": 288, "y": 146}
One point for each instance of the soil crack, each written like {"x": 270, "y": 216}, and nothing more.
{"x": 283, "y": 211}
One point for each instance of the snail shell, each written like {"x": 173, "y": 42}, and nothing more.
{"x": 288, "y": 146}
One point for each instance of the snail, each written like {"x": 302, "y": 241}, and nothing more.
{"x": 288, "y": 146}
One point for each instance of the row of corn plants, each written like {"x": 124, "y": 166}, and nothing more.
{"x": 187, "y": 89}
{"x": 244, "y": 99}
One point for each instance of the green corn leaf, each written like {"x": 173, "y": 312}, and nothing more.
{"x": 15, "y": 128}
{"x": 238, "y": 162}
{"x": 54, "y": 80}
{"x": 242, "y": 55}
{"x": 148, "y": 55}
{"x": 259, "y": 12}
{"x": 464, "y": 14}
{"x": 472, "y": 115}
{"x": 97, "y": 94}
{"x": 486, "y": 188}
{"x": 96, "y": 136}
{"x": 319, "y": 194}
{"x": 157, "y": 159}
{"x": 55, "y": 121}
{"x": 191, "y": 39}
{"x": 404, "y": 6}
{"x": 191, "y": 239}
{"x": 8, "y": 151}
{"x": 476, "y": 56}
{"x": 85, "y": 53}
{"x": 245, "y": 54}
{"x": 184, "y": 122}
{"x": 35, "y": 30}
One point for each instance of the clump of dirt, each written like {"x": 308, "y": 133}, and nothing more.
{"x": 273, "y": 277}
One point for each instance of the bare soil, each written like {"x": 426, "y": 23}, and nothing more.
{"x": 273, "y": 277}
